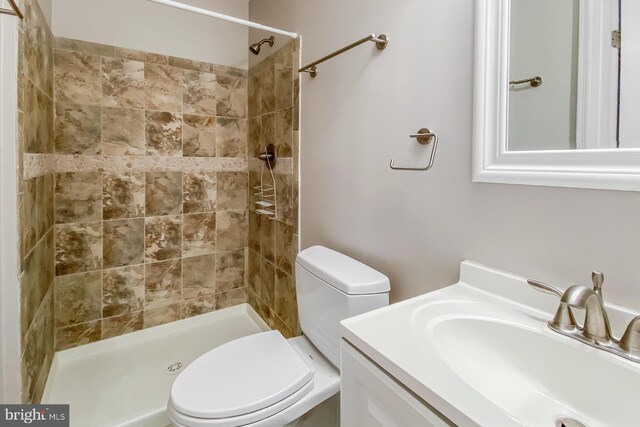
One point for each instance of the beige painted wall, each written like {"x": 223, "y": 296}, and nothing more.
{"x": 417, "y": 227}
{"x": 156, "y": 28}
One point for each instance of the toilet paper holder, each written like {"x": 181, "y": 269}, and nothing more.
{"x": 424, "y": 137}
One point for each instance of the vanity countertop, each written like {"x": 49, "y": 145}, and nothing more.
{"x": 479, "y": 351}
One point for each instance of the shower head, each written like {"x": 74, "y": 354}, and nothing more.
{"x": 255, "y": 48}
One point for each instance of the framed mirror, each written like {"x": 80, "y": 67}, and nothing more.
{"x": 557, "y": 84}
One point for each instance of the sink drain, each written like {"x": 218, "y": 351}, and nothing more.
{"x": 568, "y": 422}
{"x": 175, "y": 368}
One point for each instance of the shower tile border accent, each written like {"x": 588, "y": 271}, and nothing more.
{"x": 36, "y": 165}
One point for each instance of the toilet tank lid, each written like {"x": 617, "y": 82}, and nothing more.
{"x": 346, "y": 274}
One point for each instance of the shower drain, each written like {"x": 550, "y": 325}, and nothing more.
{"x": 175, "y": 367}
{"x": 568, "y": 422}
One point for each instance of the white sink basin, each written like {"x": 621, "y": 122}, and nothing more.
{"x": 483, "y": 359}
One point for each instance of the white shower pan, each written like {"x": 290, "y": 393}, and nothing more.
{"x": 126, "y": 380}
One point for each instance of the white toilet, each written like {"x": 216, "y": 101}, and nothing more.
{"x": 264, "y": 380}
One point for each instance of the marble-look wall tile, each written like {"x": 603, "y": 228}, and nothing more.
{"x": 163, "y": 283}
{"x": 231, "y": 96}
{"x": 35, "y": 280}
{"x": 139, "y": 55}
{"x": 285, "y": 299}
{"x": 255, "y": 231}
{"x": 254, "y": 142}
{"x": 284, "y": 84}
{"x": 284, "y": 247}
{"x": 230, "y": 270}
{"x": 29, "y": 234}
{"x": 122, "y": 291}
{"x": 123, "y": 195}
{"x": 38, "y": 47}
{"x": 73, "y": 336}
{"x": 199, "y": 134}
{"x": 231, "y": 137}
{"x": 163, "y": 238}
{"x": 254, "y": 98}
{"x": 77, "y": 129}
{"x": 232, "y": 191}
{"x": 78, "y": 247}
{"x": 123, "y": 131}
{"x": 146, "y": 126}
{"x": 198, "y": 306}
{"x": 230, "y": 72}
{"x": 78, "y": 298}
{"x": 198, "y": 278}
{"x": 267, "y": 282}
{"x": 163, "y": 85}
{"x": 45, "y": 186}
{"x": 77, "y": 78}
{"x": 268, "y": 130}
{"x": 199, "y": 234}
{"x": 78, "y": 197}
{"x": 122, "y": 83}
{"x": 199, "y": 93}
{"x": 38, "y": 351}
{"x": 284, "y": 199}
{"x": 284, "y": 133}
{"x": 189, "y": 64}
{"x": 254, "y": 272}
{"x": 267, "y": 89}
{"x": 268, "y": 239}
{"x": 163, "y": 193}
{"x": 62, "y": 43}
{"x": 296, "y": 105}
{"x": 38, "y": 132}
{"x": 160, "y": 316}
{"x": 199, "y": 192}
{"x": 123, "y": 242}
{"x": 163, "y": 133}
{"x": 231, "y": 230}
{"x": 120, "y": 325}
{"x": 231, "y": 298}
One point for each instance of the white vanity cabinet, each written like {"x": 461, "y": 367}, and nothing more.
{"x": 370, "y": 397}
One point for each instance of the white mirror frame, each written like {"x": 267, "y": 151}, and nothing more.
{"x": 612, "y": 169}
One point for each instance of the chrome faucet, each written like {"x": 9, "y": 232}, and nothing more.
{"x": 596, "y": 330}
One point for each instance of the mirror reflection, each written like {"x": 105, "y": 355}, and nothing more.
{"x": 573, "y": 67}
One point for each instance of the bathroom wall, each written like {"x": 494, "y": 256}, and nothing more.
{"x": 156, "y": 28}
{"x": 417, "y": 227}
{"x": 150, "y": 190}
{"x": 35, "y": 199}
{"x": 273, "y": 243}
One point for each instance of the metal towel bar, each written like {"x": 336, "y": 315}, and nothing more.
{"x": 533, "y": 81}
{"x": 381, "y": 42}
{"x": 424, "y": 137}
{"x": 14, "y": 11}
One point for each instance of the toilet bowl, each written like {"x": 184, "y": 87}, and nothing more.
{"x": 265, "y": 380}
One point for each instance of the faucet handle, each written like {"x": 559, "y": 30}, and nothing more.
{"x": 630, "y": 341}
{"x": 545, "y": 287}
{"x": 597, "y": 278}
{"x": 563, "y": 319}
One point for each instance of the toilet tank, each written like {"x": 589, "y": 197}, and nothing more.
{"x": 332, "y": 287}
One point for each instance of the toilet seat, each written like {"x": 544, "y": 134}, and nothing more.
{"x": 241, "y": 382}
